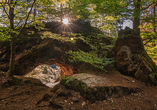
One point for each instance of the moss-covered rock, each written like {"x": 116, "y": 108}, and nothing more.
{"x": 132, "y": 59}
{"x": 95, "y": 87}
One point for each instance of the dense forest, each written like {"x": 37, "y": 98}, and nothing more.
{"x": 109, "y": 40}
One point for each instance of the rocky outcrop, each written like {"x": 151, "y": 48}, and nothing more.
{"x": 48, "y": 75}
{"x": 132, "y": 59}
{"x": 95, "y": 87}
{"x": 78, "y": 26}
{"x": 49, "y": 51}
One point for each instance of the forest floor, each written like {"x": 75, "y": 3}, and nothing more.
{"x": 31, "y": 94}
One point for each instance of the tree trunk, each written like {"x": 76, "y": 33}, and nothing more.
{"x": 132, "y": 59}
{"x": 154, "y": 20}
{"x": 136, "y": 21}
{"x": 34, "y": 12}
{"x": 12, "y": 43}
{"x": 61, "y": 6}
{"x": 12, "y": 57}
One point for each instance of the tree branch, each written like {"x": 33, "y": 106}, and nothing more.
{"x": 127, "y": 4}
{"x": 18, "y": 23}
{"x": 27, "y": 18}
{"x": 5, "y": 10}
{"x": 150, "y": 38}
{"x": 148, "y": 6}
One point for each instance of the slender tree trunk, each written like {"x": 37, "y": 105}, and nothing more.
{"x": 69, "y": 16}
{"x": 12, "y": 43}
{"x": 34, "y": 12}
{"x": 136, "y": 21}
{"x": 61, "y": 6}
{"x": 154, "y": 20}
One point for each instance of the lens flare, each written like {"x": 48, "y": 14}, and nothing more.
{"x": 65, "y": 21}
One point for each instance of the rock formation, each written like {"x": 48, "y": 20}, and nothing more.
{"x": 95, "y": 87}
{"x": 132, "y": 59}
{"x": 48, "y": 75}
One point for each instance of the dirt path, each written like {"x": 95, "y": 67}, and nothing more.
{"x": 31, "y": 94}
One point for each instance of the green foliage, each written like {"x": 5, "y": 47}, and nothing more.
{"x": 4, "y": 35}
{"x": 45, "y": 70}
{"x": 97, "y": 54}
{"x": 151, "y": 49}
{"x": 67, "y": 78}
{"x": 91, "y": 58}
{"x": 96, "y": 40}
{"x": 38, "y": 25}
{"x": 148, "y": 28}
{"x": 69, "y": 37}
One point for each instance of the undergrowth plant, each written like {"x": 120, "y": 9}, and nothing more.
{"x": 151, "y": 49}
{"x": 67, "y": 78}
{"x": 70, "y": 37}
{"x": 89, "y": 57}
{"x": 97, "y": 54}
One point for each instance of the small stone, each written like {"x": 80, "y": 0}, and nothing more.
{"x": 104, "y": 100}
{"x": 87, "y": 101}
{"x": 72, "y": 103}
{"x": 75, "y": 99}
{"x": 65, "y": 101}
{"x": 72, "y": 108}
{"x": 83, "y": 103}
{"x": 65, "y": 108}
{"x": 61, "y": 103}
{"x": 133, "y": 81}
{"x": 79, "y": 96}
{"x": 73, "y": 94}
{"x": 135, "y": 94}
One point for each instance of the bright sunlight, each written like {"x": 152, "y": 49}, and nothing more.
{"x": 65, "y": 21}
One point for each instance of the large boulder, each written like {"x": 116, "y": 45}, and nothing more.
{"x": 48, "y": 75}
{"x": 49, "y": 51}
{"x": 78, "y": 26}
{"x": 95, "y": 87}
{"x": 132, "y": 59}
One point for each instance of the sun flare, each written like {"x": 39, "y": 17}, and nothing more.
{"x": 65, "y": 21}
